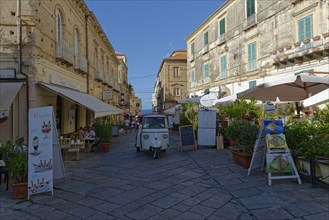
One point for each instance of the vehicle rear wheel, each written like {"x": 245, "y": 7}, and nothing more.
{"x": 156, "y": 153}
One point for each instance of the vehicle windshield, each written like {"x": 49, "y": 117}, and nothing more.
{"x": 154, "y": 122}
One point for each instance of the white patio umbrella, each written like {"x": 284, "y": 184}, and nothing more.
{"x": 291, "y": 88}
{"x": 193, "y": 99}
{"x": 225, "y": 100}
{"x": 317, "y": 99}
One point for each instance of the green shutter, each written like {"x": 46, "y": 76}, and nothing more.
{"x": 222, "y": 26}
{"x": 206, "y": 71}
{"x": 192, "y": 48}
{"x": 309, "y": 27}
{"x": 192, "y": 75}
{"x": 305, "y": 28}
{"x": 252, "y": 51}
{"x": 206, "y": 38}
{"x": 301, "y": 30}
{"x": 252, "y": 84}
{"x": 250, "y": 7}
{"x": 223, "y": 66}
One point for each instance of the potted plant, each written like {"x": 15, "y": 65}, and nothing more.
{"x": 16, "y": 160}
{"x": 191, "y": 114}
{"x": 103, "y": 132}
{"x": 244, "y": 133}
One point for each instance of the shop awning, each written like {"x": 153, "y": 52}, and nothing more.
{"x": 90, "y": 102}
{"x": 8, "y": 92}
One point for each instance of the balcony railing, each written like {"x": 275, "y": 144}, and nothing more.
{"x": 99, "y": 74}
{"x": 251, "y": 21}
{"x": 80, "y": 63}
{"x": 64, "y": 52}
{"x": 299, "y": 52}
{"x": 191, "y": 58}
{"x": 221, "y": 39}
{"x": 251, "y": 65}
{"x": 205, "y": 49}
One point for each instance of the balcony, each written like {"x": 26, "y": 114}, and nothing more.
{"x": 80, "y": 63}
{"x": 205, "y": 49}
{"x": 64, "y": 53}
{"x": 299, "y": 52}
{"x": 99, "y": 74}
{"x": 221, "y": 39}
{"x": 250, "y": 22}
{"x": 206, "y": 80}
{"x": 191, "y": 58}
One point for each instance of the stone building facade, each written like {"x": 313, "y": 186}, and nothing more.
{"x": 245, "y": 43}
{"x": 170, "y": 86}
{"x": 62, "y": 48}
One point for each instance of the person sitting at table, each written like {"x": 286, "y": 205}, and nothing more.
{"x": 89, "y": 134}
{"x": 81, "y": 133}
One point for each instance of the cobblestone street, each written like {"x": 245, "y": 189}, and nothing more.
{"x": 203, "y": 184}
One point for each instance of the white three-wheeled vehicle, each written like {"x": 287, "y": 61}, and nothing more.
{"x": 153, "y": 134}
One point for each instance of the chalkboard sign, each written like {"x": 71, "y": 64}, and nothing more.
{"x": 115, "y": 130}
{"x": 186, "y": 136}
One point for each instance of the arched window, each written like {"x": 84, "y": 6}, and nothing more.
{"x": 59, "y": 32}
{"x": 76, "y": 48}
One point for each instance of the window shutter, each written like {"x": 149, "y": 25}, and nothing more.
{"x": 206, "y": 71}
{"x": 206, "y": 38}
{"x": 222, "y": 26}
{"x": 249, "y": 52}
{"x": 301, "y": 32}
{"x": 192, "y": 76}
{"x": 250, "y": 7}
{"x": 253, "y": 45}
{"x": 308, "y": 27}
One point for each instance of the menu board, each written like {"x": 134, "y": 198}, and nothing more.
{"x": 40, "y": 167}
{"x": 187, "y": 137}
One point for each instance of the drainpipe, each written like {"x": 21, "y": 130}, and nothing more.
{"x": 21, "y": 69}
{"x": 87, "y": 55}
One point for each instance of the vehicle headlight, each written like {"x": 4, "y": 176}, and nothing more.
{"x": 165, "y": 136}
{"x": 146, "y": 136}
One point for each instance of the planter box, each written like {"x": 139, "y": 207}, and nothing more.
{"x": 324, "y": 169}
{"x": 304, "y": 167}
{"x": 241, "y": 158}
{"x": 19, "y": 190}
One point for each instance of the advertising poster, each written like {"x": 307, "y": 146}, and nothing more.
{"x": 40, "y": 174}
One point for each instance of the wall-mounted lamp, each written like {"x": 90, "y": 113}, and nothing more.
{"x": 226, "y": 49}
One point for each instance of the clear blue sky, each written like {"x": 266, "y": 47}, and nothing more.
{"x": 148, "y": 31}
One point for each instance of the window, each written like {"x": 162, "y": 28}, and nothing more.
{"x": 250, "y": 8}
{"x": 222, "y": 27}
{"x": 205, "y": 39}
{"x": 176, "y": 91}
{"x": 205, "y": 70}
{"x": 192, "y": 49}
{"x": 76, "y": 47}
{"x": 252, "y": 84}
{"x": 176, "y": 71}
{"x": 223, "y": 67}
{"x": 192, "y": 76}
{"x": 59, "y": 32}
{"x": 305, "y": 28}
{"x": 252, "y": 56}
{"x": 95, "y": 60}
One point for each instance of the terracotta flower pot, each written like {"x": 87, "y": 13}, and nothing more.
{"x": 325, "y": 34}
{"x": 19, "y": 190}
{"x": 241, "y": 159}
{"x": 316, "y": 38}
{"x": 306, "y": 41}
{"x": 104, "y": 147}
{"x": 297, "y": 44}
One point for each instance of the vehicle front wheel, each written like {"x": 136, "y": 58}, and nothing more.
{"x": 156, "y": 153}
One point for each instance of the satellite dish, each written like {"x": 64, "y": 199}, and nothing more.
{"x": 207, "y": 100}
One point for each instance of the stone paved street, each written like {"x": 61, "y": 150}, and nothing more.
{"x": 203, "y": 184}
